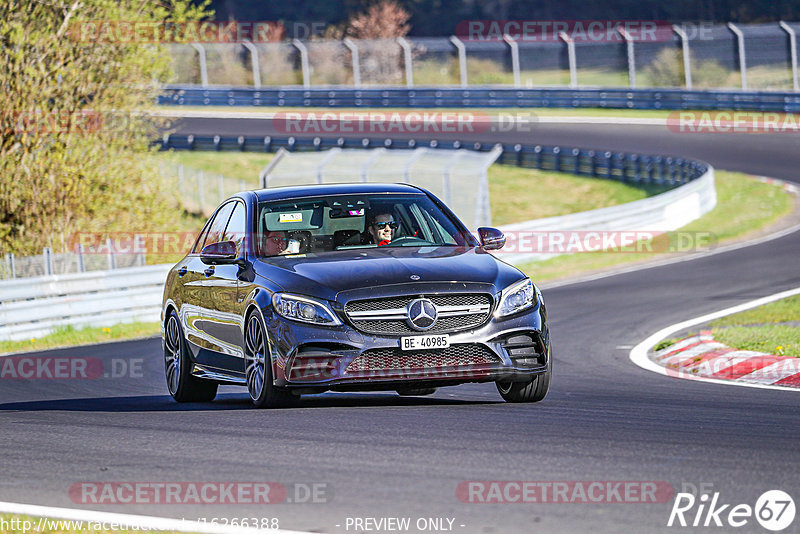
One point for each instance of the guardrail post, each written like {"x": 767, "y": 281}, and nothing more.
{"x": 514, "y": 57}
{"x": 687, "y": 65}
{"x": 47, "y": 258}
{"x": 201, "y": 54}
{"x": 573, "y": 64}
{"x": 793, "y": 51}
{"x": 593, "y": 163}
{"x": 12, "y": 266}
{"x": 303, "y": 62}
{"x": 576, "y": 153}
{"x": 81, "y": 261}
{"x": 557, "y": 159}
{"x": 354, "y": 55}
{"x": 110, "y": 255}
{"x": 742, "y": 55}
{"x": 637, "y": 168}
{"x": 609, "y": 164}
{"x": 165, "y": 142}
{"x": 407, "y": 63}
{"x": 631, "y": 56}
{"x": 254, "y": 62}
{"x": 462, "y": 58}
{"x": 538, "y": 151}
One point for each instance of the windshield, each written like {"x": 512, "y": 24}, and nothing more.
{"x": 325, "y": 224}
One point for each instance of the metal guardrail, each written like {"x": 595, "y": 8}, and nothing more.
{"x": 33, "y": 307}
{"x": 626, "y": 167}
{"x": 486, "y": 97}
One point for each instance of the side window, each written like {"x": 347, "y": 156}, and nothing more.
{"x": 198, "y": 246}
{"x": 217, "y": 228}
{"x": 237, "y": 227}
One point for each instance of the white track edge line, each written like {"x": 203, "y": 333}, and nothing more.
{"x": 128, "y": 520}
{"x": 638, "y": 354}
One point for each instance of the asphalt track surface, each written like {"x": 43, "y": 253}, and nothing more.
{"x": 382, "y": 455}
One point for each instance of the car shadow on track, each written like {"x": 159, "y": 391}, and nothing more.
{"x": 164, "y": 403}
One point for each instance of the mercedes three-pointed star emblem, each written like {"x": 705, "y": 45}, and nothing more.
{"x": 422, "y": 314}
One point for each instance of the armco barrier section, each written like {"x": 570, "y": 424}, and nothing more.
{"x": 33, "y": 307}
{"x": 626, "y": 167}
{"x": 484, "y": 97}
{"x": 660, "y": 213}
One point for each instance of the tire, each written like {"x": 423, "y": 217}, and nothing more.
{"x": 533, "y": 391}
{"x": 415, "y": 392}
{"x": 258, "y": 374}
{"x": 178, "y": 367}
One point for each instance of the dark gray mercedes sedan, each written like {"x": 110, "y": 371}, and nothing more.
{"x": 349, "y": 287}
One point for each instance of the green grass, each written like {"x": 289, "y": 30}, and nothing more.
{"x": 763, "y": 329}
{"x": 744, "y": 206}
{"x": 68, "y": 336}
{"x": 516, "y": 193}
{"x": 780, "y": 339}
{"x": 780, "y": 311}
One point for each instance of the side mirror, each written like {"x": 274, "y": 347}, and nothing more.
{"x": 491, "y": 238}
{"x": 218, "y": 253}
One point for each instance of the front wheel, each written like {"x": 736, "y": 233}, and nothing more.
{"x": 258, "y": 368}
{"x": 178, "y": 367}
{"x": 532, "y": 391}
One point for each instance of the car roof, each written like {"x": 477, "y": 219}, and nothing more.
{"x": 299, "y": 191}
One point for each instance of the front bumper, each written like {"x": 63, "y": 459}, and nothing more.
{"x": 319, "y": 358}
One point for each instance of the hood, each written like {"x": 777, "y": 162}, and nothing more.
{"x": 329, "y": 274}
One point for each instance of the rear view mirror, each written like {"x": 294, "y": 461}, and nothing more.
{"x": 221, "y": 252}
{"x": 491, "y": 238}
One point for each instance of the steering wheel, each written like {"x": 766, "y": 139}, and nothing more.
{"x": 407, "y": 239}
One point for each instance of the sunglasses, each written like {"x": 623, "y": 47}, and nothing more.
{"x": 278, "y": 239}
{"x": 381, "y": 225}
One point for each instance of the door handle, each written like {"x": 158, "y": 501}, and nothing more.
{"x": 209, "y": 271}
{"x": 183, "y": 270}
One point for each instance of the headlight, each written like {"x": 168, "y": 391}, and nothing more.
{"x": 517, "y": 297}
{"x": 304, "y": 309}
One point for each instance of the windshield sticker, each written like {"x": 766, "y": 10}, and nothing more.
{"x": 290, "y": 217}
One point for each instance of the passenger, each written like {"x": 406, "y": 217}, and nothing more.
{"x": 382, "y": 228}
{"x": 276, "y": 243}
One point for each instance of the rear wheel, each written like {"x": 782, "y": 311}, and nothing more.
{"x": 258, "y": 368}
{"x": 415, "y": 392}
{"x": 532, "y": 391}
{"x": 178, "y": 367}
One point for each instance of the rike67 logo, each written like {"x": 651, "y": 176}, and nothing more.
{"x": 774, "y": 510}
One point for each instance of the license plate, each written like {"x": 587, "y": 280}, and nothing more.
{"x": 439, "y": 341}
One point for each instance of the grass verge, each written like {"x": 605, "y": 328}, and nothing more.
{"x": 771, "y": 328}
{"x": 744, "y": 206}
{"x": 68, "y": 336}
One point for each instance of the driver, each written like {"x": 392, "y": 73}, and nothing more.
{"x": 382, "y": 229}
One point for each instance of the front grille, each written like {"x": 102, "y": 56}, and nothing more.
{"x": 394, "y": 359}
{"x": 456, "y": 321}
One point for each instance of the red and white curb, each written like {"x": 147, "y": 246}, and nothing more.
{"x": 719, "y": 370}
{"x": 701, "y": 355}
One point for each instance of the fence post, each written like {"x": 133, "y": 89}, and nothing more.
{"x": 687, "y": 62}
{"x": 254, "y": 62}
{"x": 514, "y": 57}
{"x": 303, "y": 62}
{"x": 406, "y": 46}
{"x": 81, "y": 261}
{"x": 110, "y": 256}
{"x": 462, "y": 58}
{"x": 448, "y": 168}
{"x": 418, "y": 153}
{"x": 12, "y": 265}
{"x": 47, "y": 257}
{"x": 631, "y": 56}
{"x": 325, "y": 161}
{"x": 793, "y": 51}
{"x": 201, "y": 53}
{"x": 356, "y": 65}
{"x": 263, "y": 176}
{"x": 376, "y": 153}
{"x": 742, "y": 55}
{"x": 573, "y": 66}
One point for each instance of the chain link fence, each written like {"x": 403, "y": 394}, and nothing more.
{"x": 715, "y": 56}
